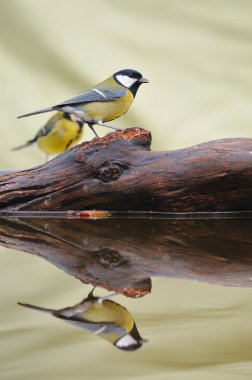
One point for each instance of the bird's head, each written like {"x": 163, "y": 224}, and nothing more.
{"x": 131, "y": 341}
{"x": 131, "y": 79}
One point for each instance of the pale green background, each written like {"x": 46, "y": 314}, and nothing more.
{"x": 198, "y": 57}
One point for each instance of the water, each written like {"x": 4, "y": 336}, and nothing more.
{"x": 192, "y": 281}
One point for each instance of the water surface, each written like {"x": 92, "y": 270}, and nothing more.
{"x": 192, "y": 279}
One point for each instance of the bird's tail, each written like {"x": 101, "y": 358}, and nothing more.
{"x": 28, "y": 143}
{"x": 43, "y": 110}
{"x": 50, "y": 311}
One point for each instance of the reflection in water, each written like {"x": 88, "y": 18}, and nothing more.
{"x": 185, "y": 325}
{"x": 123, "y": 254}
{"x": 103, "y": 317}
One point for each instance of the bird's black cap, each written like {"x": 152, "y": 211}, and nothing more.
{"x": 130, "y": 73}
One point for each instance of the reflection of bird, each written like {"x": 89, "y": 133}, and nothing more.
{"x": 106, "y": 101}
{"x": 103, "y": 317}
{"x": 62, "y": 131}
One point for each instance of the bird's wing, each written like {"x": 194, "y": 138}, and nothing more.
{"x": 94, "y": 95}
{"x": 48, "y": 127}
{"x": 44, "y": 131}
{"x": 95, "y": 327}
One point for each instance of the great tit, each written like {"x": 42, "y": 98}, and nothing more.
{"x": 103, "y": 317}
{"x": 104, "y": 102}
{"x": 61, "y": 132}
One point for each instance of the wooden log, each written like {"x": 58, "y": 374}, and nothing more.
{"x": 123, "y": 254}
{"x": 119, "y": 172}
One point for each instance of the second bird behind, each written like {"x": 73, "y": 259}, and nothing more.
{"x": 61, "y": 132}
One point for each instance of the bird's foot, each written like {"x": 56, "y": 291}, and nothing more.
{"x": 109, "y": 126}
{"x": 101, "y": 299}
{"x": 91, "y": 126}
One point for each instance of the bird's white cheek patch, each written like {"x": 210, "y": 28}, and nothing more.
{"x": 125, "y": 80}
{"x": 126, "y": 341}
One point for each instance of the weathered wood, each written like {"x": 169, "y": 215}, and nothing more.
{"x": 118, "y": 172}
{"x": 123, "y": 254}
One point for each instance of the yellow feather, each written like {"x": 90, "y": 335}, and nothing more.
{"x": 109, "y": 311}
{"x": 64, "y": 135}
{"x": 107, "y": 111}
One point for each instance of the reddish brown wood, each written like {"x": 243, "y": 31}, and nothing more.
{"x": 119, "y": 172}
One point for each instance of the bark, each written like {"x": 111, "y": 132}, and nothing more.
{"x": 119, "y": 172}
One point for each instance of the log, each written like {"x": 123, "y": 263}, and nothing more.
{"x": 119, "y": 172}
{"x": 123, "y": 254}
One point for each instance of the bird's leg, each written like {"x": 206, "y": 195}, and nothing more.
{"x": 91, "y": 126}
{"x": 101, "y": 299}
{"x": 109, "y": 126}
{"x": 46, "y": 157}
{"x": 91, "y": 293}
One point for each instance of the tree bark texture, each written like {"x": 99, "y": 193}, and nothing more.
{"x": 119, "y": 172}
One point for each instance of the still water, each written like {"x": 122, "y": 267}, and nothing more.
{"x": 185, "y": 282}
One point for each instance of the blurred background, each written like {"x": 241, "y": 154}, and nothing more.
{"x": 197, "y": 55}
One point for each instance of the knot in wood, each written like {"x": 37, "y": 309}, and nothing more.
{"x": 109, "y": 171}
{"x": 110, "y": 258}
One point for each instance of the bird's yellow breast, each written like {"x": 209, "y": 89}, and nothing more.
{"x": 107, "y": 111}
{"x": 64, "y": 135}
{"x": 110, "y": 312}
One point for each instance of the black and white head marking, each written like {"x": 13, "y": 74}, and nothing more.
{"x": 125, "y": 80}
{"x": 128, "y": 77}
{"x": 127, "y": 343}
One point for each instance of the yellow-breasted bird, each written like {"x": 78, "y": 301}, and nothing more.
{"x": 61, "y": 132}
{"x": 103, "y": 317}
{"x": 104, "y": 102}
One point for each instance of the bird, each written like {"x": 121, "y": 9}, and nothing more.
{"x": 102, "y": 103}
{"x": 101, "y": 316}
{"x": 61, "y": 132}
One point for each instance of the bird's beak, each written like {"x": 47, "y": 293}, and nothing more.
{"x": 143, "y": 80}
{"x": 144, "y": 340}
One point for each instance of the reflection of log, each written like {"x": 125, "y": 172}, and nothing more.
{"x": 122, "y": 254}
{"x": 118, "y": 172}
